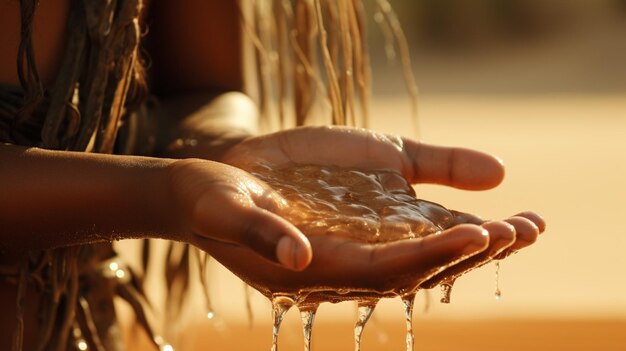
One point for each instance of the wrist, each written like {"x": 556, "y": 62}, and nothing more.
{"x": 152, "y": 204}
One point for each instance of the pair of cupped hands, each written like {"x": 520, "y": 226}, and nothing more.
{"x": 234, "y": 216}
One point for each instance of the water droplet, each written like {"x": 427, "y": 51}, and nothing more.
{"x": 120, "y": 273}
{"x": 163, "y": 346}
{"x": 497, "y": 293}
{"x": 203, "y": 262}
{"x": 280, "y": 306}
{"x": 446, "y": 290}
{"x": 365, "y": 310}
{"x": 113, "y": 266}
{"x": 307, "y": 315}
{"x": 81, "y": 345}
{"x": 408, "y": 301}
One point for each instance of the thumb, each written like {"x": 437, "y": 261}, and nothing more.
{"x": 276, "y": 239}
{"x": 260, "y": 230}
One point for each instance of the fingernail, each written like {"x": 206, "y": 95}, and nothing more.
{"x": 288, "y": 253}
{"x": 478, "y": 244}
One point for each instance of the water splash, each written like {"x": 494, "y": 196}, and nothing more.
{"x": 408, "y": 302}
{"x": 497, "y": 293}
{"x": 307, "y": 315}
{"x": 365, "y": 310}
{"x": 280, "y": 306}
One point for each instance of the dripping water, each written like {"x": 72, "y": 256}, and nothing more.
{"x": 497, "y": 293}
{"x": 280, "y": 306}
{"x": 365, "y": 310}
{"x": 408, "y": 302}
{"x": 307, "y": 315}
{"x": 446, "y": 290}
{"x": 248, "y": 295}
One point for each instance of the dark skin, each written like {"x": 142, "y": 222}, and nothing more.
{"x": 175, "y": 196}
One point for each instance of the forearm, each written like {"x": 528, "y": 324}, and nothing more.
{"x": 55, "y": 198}
{"x": 205, "y": 125}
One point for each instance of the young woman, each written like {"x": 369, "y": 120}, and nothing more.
{"x": 74, "y": 118}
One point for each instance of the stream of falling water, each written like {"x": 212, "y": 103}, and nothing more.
{"x": 367, "y": 206}
{"x": 307, "y": 315}
{"x": 365, "y": 310}
{"x": 446, "y": 290}
{"x": 280, "y": 306}
{"x": 408, "y": 302}
{"x": 497, "y": 293}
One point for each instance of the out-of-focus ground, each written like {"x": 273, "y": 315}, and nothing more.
{"x": 430, "y": 335}
{"x": 550, "y": 99}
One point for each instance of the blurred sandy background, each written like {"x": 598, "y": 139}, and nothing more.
{"x": 542, "y": 84}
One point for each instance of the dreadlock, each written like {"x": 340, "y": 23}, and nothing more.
{"x": 310, "y": 54}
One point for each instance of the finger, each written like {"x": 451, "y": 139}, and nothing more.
{"x": 405, "y": 262}
{"x": 262, "y": 231}
{"x": 340, "y": 263}
{"x": 501, "y": 236}
{"x": 458, "y": 167}
{"x": 433, "y": 251}
{"x": 526, "y": 231}
{"x": 276, "y": 239}
{"x": 535, "y": 218}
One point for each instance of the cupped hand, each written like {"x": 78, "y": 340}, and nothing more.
{"x": 339, "y": 263}
{"x": 220, "y": 203}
